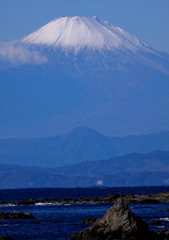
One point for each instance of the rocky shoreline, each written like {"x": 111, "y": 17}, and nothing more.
{"x": 118, "y": 223}
{"x": 162, "y": 197}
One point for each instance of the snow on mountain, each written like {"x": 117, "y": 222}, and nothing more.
{"x": 82, "y": 71}
{"x": 92, "y": 39}
{"x": 81, "y": 32}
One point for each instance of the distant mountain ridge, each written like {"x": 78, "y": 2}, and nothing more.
{"x": 150, "y": 169}
{"x": 81, "y": 144}
{"x": 157, "y": 161}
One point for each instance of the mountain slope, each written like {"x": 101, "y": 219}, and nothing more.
{"x": 131, "y": 170}
{"x": 93, "y": 39}
{"x": 157, "y": 161}
{"x": 81, "y": 144}
{"x": 82, "y": 71}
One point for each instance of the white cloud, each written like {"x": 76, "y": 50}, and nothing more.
{"x": 20, "y": 55}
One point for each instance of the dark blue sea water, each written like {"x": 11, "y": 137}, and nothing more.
{"x": 59, "y": 221}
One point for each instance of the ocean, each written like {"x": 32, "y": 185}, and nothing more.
{"x": 59, "y": 221}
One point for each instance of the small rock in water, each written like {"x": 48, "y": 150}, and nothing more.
{"x": 16, "y": 215}
{"x": 5, "y": 238}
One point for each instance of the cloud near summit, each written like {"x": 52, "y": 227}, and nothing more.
{"x": 18, "y": 55}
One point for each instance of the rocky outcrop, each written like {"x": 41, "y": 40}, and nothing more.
{"x": 162, "y": 197}
{"x": 16, "y": 215}
{"x": 89, "y": 220}
{"x": 118, "y": 223}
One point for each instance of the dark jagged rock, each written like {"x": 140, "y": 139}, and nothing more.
{"x": 27, "y": 202}
{"x": 162, "y": 235}
{"x": 89, "y": 220}
{"x": 118, "y": 223}
{"x": 5, "y": 238}
{"x": 150, "y": 201}
{"x": 157, "y": 222}
{"x": 16, "y": 215}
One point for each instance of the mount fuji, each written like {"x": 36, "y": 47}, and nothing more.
{"x": 82, "y": 71}
{"x": 79, "y": 32}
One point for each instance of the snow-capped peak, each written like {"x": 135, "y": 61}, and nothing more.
{"x": 80, "y": 32}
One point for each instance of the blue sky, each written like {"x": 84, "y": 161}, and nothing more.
{"x": 148, "y": 20}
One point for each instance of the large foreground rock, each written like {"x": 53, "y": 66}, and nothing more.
{"x": 118, "y": 223}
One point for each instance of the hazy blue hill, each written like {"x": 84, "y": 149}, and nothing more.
{"x": 131, "y": 163}
{"x": 81, "y": 144}
{"x": 13, "y": 176}
{"x": 150, "y": 169}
